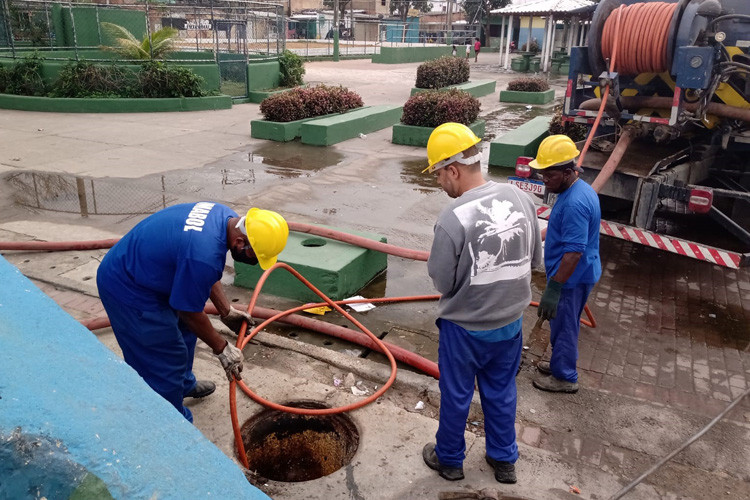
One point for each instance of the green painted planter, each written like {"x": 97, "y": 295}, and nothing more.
{"x": 337, "y": 269}
{"x": 527, "y": 97}
{"x": 479, "y": 88}
{"x": 113, "y": 105}
{"x": 279, "y": 131}
{"x": 521, "y": 141}
{"x": 338, "y": 128}
{"x": 398, "y": 55}
{"x": 410, "y": 135}
{"x": 519, "y": 64}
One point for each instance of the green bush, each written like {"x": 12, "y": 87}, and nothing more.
{"x": 23, "y": 78}
{"x": 309, "y": 102}
{"x": 85, "y": 79}
{"x": 292, "y": 69}
{"x": 157, "y": 79}
{"x": 442, "y": 72}
{"x": 431, "y": 108}
{"x": 533, "y": 47}
{"x": 575, "y": 131}
{"x": 528, "y": 85}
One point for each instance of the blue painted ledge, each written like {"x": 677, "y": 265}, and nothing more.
{"x": 58, "y": 383}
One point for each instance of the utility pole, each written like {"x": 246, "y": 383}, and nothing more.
{"x": 335, "y": 30}
{"x": 449, "y": 20}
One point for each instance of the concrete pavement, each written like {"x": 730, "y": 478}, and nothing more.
{"x": 657, "y": 368}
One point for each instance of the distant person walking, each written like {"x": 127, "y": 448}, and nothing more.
{"x": 454, "y": 50}
{"x": 468, "y": 51}
{"x": 477, "y": 46}
{"x": 486, "y": 242}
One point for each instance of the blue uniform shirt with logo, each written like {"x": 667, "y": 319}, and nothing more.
{"x": 574, "y": 227}
{"x": 172, "y": 257}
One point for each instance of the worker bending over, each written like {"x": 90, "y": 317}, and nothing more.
{"x": 155, "y": 281}
{"x": 571, "y": 259}
{"x": 486, "y": 242}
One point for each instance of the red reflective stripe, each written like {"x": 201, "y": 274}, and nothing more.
{"x": 660, "y": 120}
{"x": 569, "y": 90}
{"x": 679, "y": 248}
{"x": 696, "y": 250}
{"x": 717, "y": 256}
{"x": 641, "y": 237}
{"x": 676, "y": 98}
{"x": 607, "y": 229}
{"x": 624, "y": 233}
{"x": 735, "y": 259}
{"x": 659, "y": 242}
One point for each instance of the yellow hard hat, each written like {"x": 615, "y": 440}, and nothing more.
{"x": 267, "y": 233}
{"x": 446, "y": 144}
{"x": 554, "y": 150}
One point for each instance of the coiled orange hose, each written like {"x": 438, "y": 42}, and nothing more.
{"x": 644, "y": 30}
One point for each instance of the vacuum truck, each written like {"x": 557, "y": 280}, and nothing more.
{"x": 664, "y": 88}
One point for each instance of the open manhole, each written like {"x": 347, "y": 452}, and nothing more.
{"x": 289, "y": 447}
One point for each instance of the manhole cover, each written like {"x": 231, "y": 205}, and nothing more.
{"x": 290, "y": 447}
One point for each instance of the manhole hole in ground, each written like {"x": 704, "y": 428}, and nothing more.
{"x": 289, "y": 447}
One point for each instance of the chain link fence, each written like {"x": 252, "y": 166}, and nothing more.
{"x": 229, "y": 32}
{"x": 312, "y": 36}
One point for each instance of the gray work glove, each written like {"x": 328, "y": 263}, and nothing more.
{"x": 231, "y": 359}
{"x": 234, "y": 318}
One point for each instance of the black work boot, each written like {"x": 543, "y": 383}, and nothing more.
{"x": 202, "y": 389}
{"x": 431, "y": 459}
{"x": 505, "y": 472}
{"x": 544, "y": 368}
{"x": 550, "y": 383}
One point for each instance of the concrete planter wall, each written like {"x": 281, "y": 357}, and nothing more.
{"x": 279, "y": 131}
{"x": 479, "y": 88}
{"x": 527, "y": 97}
{"x": 398, "y": 55}
{"x": 338, "y": 128}
{"x": 410, "y": 135}
{"x": 522, "y": 141}
{"x": 114, "y": 105}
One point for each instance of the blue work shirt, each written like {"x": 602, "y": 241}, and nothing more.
{"x": 172, "y": 257}
{"x": 574, "y": 227}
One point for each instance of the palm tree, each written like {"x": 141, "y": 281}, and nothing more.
{"x": 129, "y": 47}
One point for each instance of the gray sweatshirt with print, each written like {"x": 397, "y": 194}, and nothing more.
{"x": 486, "y": 243}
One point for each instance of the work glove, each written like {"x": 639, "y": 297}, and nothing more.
{"x": 231, "y": 359}
{"x": 234, "y": 318}
{"x": 550, "y": 298}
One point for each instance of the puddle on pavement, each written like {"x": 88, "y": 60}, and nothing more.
{"x": 511, "y": 116}
{"x": 226, "y": 180}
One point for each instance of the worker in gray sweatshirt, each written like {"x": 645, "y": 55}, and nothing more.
{"x": 486, "y": 242}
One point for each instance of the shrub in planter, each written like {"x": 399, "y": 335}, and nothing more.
{"x": 292, "y": 69}
{"x": 309, "y": 102}
{"x": 528, "y": 85}
{"x": 84, "y": 79}
{"x": 533, "y": 47}
{"x": 442, "y": 72}
{"x": 157, "y": 79}
{"x": 23, "y": 78}
{"x": 432, "y": 108}
{"x": 575, "y": 131}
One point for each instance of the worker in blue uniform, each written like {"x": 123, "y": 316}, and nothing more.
{"x": 155, "y": 281}
{"x": 486, "y": 242}
{"x": 571, "y": 259}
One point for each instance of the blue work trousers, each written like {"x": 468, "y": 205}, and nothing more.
{"x": 564, "y": 331}
{"x": 157, "y": 345}
{"x": 462, "y": 359}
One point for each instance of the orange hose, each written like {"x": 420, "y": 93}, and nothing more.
{"x": 645, "y": 33}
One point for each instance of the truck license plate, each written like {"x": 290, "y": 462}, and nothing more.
{"x": 528, "y": 185}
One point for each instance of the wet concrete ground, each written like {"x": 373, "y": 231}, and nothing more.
{"x": 672, "y": 345}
